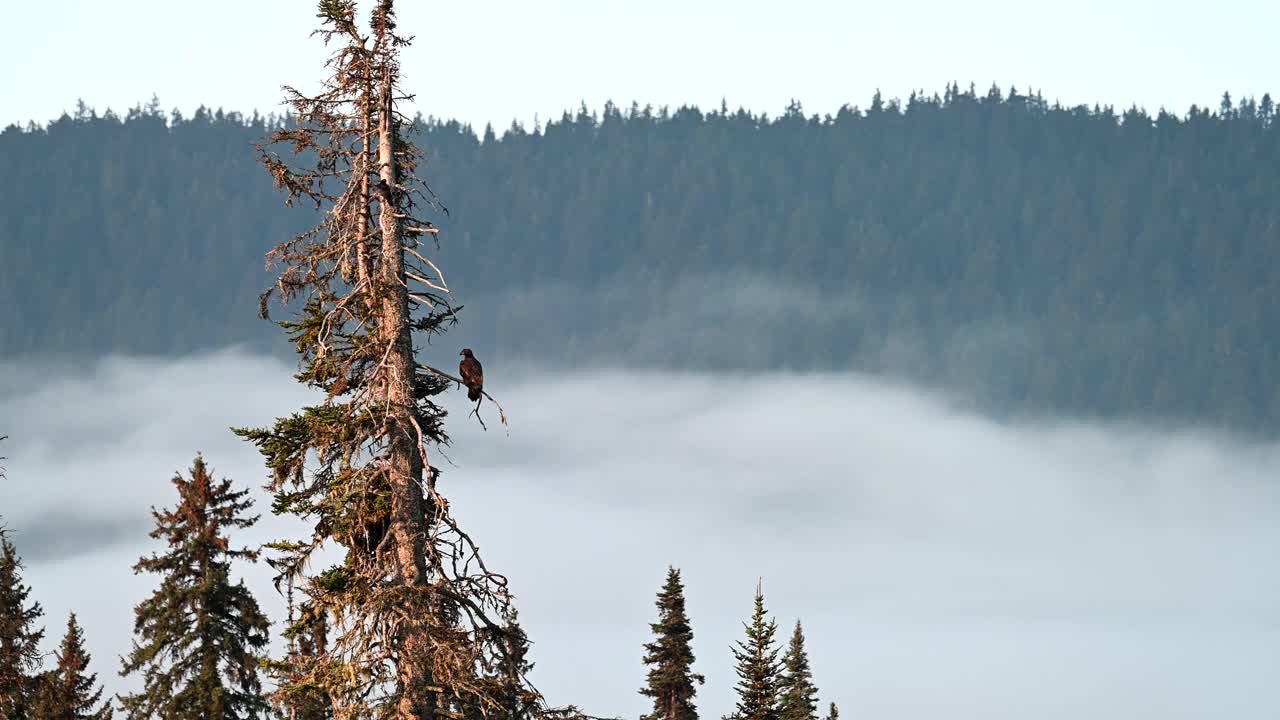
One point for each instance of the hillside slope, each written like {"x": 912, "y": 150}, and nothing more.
{"x": 1042, "y": 258}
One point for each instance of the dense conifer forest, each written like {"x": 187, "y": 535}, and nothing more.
{"x": 1080, "y": 260}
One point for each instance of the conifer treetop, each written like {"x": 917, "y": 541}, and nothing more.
{"x": 19, "y": 636}
{"x": 757, "y": 666}
{"x": 671, "y": 680}
{"x": 798, "y": 697}
{"x": 199, "y": 638}
{"x": 69, "y": 691}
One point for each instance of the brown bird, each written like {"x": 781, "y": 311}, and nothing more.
{"x": 472, "y": 374}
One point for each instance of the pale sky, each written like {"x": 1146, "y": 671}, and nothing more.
{"x": 498, "y": 60}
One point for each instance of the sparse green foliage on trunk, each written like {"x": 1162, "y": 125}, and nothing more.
{"x": 671, "y": 680}
{"x": 199, "y": 638}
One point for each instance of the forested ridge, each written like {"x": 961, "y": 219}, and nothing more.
{"x": 1067, "y": 259}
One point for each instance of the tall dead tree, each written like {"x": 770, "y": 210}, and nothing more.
{"x": 419, "y": 627}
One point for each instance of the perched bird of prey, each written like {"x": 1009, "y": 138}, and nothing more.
{"x": 472, "y": 374}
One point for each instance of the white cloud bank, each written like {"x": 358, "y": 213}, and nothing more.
{"x": 944, "y": 565}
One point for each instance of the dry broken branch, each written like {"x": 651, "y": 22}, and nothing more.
{"x": 502, "y": 415}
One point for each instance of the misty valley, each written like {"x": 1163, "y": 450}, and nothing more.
{"x": 962, "y": 404}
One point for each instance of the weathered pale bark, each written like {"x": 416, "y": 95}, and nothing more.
{"x": 366, "y": 127}
{"x": 406, "y": 463}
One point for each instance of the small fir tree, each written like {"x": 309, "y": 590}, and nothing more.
{"x": 307, "y": 636}
{"x": 69, "y": 691}
{"x": 798, "y": 697}
{"x": 519, "y": 700}
{"x": 670, "y": 657}
{"x": 507, "y": 675}
{"x": 758, "y": 667}
{"x": 19, "y": 637}
{"x": 833, "y": 713}
{"x": 200, "y": 638}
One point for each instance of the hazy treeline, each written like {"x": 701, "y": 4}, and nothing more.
{"x": 1079, "y": 259}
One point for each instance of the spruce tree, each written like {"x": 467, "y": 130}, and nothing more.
{"x": 515, "y": 699}
{"x": 307, "y": 636}
{"x": 833, "y": 713}
{"x": 19, "y": 638}
{"x": 69, "y": 691}
{"x": 670, "y": 657}
{"x": 422, "y": 626}
{"x": 199, "y": 637}
{"x": 798, "y": 697}
{"x": 758, "y": 667}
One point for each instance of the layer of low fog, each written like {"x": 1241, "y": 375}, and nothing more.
{"x": 944, "y": 565}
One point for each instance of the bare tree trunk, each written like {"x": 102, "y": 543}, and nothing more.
{"x": 366, "y": 127}
{"x": 406, "y": 462}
